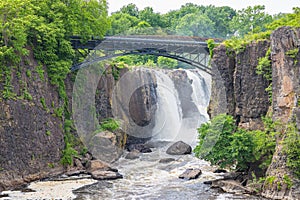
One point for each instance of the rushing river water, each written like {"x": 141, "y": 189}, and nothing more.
{"x": 144, "y": 178}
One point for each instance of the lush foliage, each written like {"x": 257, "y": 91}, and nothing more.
{"x": 164, "y": 62}
{"x": 250, "y": 20}
{"x": 222, "y": 143}
{"x": 45, "y": 27}
{"x": 264, "y": 27}
{"x": 264, "y": 68}
{"x": 211, "y": 45}
{"x": 292, "y": 148}
{"x": 109, "y": 124}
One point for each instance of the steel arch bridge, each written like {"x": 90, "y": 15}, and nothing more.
{"x": 190, "y": 50}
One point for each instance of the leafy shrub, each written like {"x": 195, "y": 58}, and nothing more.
{"x": 109, "y": 124}
{"x": 68, "y": 153}
{"x": 216, "y": 133}
{"x": 287, "y": 180}
{"x": 222, "y": 143}
{"x": 292, "y": 148}
{"x": 293, "y": 54}
{"x": 211, "y": 45}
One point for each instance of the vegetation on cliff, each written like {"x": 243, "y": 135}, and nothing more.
{"x": 44, "y": 27}
{"x": 277, "y": 65}
{"x": 236, "y": 148}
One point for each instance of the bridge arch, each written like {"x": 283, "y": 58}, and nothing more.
{"x": 185, "y": 49}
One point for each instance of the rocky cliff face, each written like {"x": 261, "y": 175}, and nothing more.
{"x": 31, "y": 136}
{"x": 31, "y": 130}
{"x": 129, "y": 96}
{"x": 286, "y": 95}
{"x": 237, "y": 89}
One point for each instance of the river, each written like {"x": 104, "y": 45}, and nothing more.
{"x": 144, "y": 178}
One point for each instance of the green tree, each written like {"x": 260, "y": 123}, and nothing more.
{"x": 195, "y": 24}
{"x": 122, "y": 22}
{"x": 222, "y": 143}
{"x": 154, "y": 19}
{"x": 130, "y": 9}
{"x": 291, "y": 19}
{"x": 168, "y": 63}
{"x": 250, "y": 20}
{"x": 173, "y": 17}
{"x": 221, "y": 16}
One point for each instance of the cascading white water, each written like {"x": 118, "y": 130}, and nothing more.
{"x": 173, "y": 122}
{"x": 168, "y": 114}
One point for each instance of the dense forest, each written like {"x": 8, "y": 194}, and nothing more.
{"x": 199, "y": 21}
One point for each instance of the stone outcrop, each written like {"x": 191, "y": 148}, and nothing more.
{"x": 191, "y": 174}
{"x": 135, "y": 154}
{"x": 134, "y": 102}
{"x": 286, "y": 95}
{"x": 31, "y": 137}
{"x": 179, "y": 148}
{"x": 237, "y": 89}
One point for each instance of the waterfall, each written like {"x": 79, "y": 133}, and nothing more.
{"x": 165, "y": 105}
{"x": 183, "y": 98}
{"x": 169, "y": 113}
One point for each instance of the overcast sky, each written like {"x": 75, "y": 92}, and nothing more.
{"x": 163, "y": 6}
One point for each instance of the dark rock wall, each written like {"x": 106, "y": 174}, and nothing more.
{"x": 251, "y": 98}
{"x": 286, "y": 95}
{"x": 237, "y": 89}
{"x": 31, "y": 137}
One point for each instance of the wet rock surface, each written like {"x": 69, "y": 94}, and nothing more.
{"x": 166, "y": 160}
{"x": 134, "y": 154}
{"x": 143, "y": 148}
{"x": 105, "y": 175}
{"x": 179, "y": 148}
{"x": 191, "y": 174}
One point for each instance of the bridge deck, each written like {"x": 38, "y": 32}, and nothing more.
{"x": 176, "y": 44}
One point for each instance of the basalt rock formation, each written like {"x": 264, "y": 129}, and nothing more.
{"x": 239, "y": 91}
{"x": 286, "y": 108}
{"x": 31, "y": 137}
{"x": 31, "y": 129}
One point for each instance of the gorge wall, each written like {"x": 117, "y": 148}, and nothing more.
{"x": 31, "y": 135}
{"x": 32, "y": 125}
{"x": 239, "y": 91}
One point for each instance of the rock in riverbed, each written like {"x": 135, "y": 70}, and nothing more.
{"x": 166, "y": 160}
{"x": 135, "y": 154}
{"x": 102, "y": 171}
{"x": 105, "y": 175}
{"x": 179, "y": 148}
{"x": 191, "y": 174}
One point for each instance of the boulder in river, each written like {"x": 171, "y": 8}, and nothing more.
{"x": 105, "y": 175}
{"x": 179, "y": 148}
{"x": 94, "y": 165}
{"x": 143, "y": 148}
{"x": 232, "y": 186}
{"x": 191, "y": 174}
{"x": 166, "y": 160}
{"x": 133, "y": 155}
